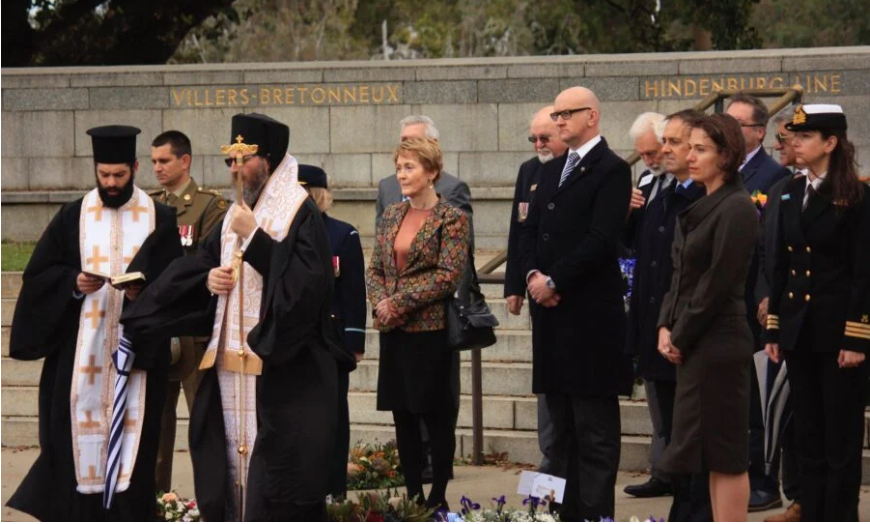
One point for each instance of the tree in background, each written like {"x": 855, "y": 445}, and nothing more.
{"x": 96, "y": 32}
{"x": 100, "y": 32}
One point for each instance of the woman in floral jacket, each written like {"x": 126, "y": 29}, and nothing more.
{"x": 420, "y": 252}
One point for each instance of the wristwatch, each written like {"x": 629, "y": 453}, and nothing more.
{"x": 550, "y": 283}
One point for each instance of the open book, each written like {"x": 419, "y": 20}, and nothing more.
{"x": 119, "y": 281}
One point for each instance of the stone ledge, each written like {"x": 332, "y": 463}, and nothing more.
{"x": 340, "y": 195}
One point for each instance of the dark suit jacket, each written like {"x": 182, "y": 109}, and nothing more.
{"x": 761, "y": 172}
{"x": 348, "y": 308}
{"x": 646, "y": 184}
{"x": 524, "y": 192}
{"x": 652, "y": 277}
{"x": 820, "y": 298}
{"x": 573, "y": 234}
{"x": 768, "y": 239}
{"x": 712, "y": 252}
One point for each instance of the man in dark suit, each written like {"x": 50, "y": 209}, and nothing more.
{"x": 457, "y": 194}
{"x": 544, "y": 137}
{"x": 652, "y": 225}
{"x": 760, "y": 172}
{"x": 569, "y": 251}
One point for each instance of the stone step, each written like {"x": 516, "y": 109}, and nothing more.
{"x": 7, "y": 309}
{"x": 511, "y": 379}
{"x": 498, "y": 412}
{"x": 4, "y": 341}
{"x": 510, "y": 346}
{"x": 10, "y": 284}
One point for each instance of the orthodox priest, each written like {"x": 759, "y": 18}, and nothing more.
{"x": 68, "y": 313}
{"x": 263, "y": 422}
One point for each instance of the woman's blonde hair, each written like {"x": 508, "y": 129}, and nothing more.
{"x": 322, "y": 197}
{"x": 425, "y": 150}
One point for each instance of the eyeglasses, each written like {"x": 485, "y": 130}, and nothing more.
{"x": 229, "y": 161}
{"x": 567, "y": 113}
{"x": 543, "y": 138}
{"x": 783, "y": 138}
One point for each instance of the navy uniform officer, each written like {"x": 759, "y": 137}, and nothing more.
{"x": 348, "y": 310}
{"x": 819, "y": 315}
{"x": 198, "y": 212}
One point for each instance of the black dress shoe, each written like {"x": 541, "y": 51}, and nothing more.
{"x": 651, "y": 488}
{"x": 760, "y": 500}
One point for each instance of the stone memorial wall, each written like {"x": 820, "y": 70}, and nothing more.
{"x": 344, "y": 116}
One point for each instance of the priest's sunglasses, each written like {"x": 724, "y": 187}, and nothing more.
{"x": 782, "y": 138}
{"x": 230, "y": 161}
{"x": 567, "y": 113}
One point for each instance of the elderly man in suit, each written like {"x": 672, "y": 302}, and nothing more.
{"x": 544, "y": 137}
{"x": 456, "y": 193}
{"x": 569, "y": 251}
{"x": 760, "y": 172}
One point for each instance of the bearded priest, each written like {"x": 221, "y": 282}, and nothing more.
{"x": 264, "y": 418}
{"x": 68, "y": 313}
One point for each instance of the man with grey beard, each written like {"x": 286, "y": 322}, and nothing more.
{"x": 544, "y": 137}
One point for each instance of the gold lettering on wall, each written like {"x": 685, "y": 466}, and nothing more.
{"x": 287, "y": 95}
{"x": 697, "y": 87}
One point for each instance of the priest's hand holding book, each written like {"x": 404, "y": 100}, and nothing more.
{"x": 91, "y": 281}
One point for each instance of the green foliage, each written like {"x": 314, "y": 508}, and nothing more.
{"x": 15, "y": 256}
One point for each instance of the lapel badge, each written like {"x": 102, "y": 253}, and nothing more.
{"x": 186, "y": 234}
{"x": 523, "y": 211}
{"x": 534, "y": 186}
{"x": 336, "y": 266}
{"x": 786, "y": 196}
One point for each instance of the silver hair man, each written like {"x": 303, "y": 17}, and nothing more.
{"x": 646, "y": 131}
{"x": 417, "y": 122}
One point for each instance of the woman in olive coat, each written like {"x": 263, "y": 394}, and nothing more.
{"x": 702, "y": 325}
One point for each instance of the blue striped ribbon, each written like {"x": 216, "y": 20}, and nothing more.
{"x": 123, "y": 360}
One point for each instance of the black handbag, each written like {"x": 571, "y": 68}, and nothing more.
{"x": 470, "y": 323}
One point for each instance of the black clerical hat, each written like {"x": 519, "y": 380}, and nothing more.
{"x": 312, "y": 176}
{"x": 114, "y": 144}
{"x": 269, "y": 135}
{"x": 817, "y": 117}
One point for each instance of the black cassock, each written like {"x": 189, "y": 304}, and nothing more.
{"x": 296, "y": 392}
{"x": 46, "y": 325}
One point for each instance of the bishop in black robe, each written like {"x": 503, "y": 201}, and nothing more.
{"x": 296, "y": 392}
{"x": 45, "y": 325}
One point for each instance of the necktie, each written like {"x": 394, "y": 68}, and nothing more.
{"x": 573, "y": 160}
{"x": 811, "y": 191}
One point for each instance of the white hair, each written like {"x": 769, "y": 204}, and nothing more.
{"x": 785, "y": 115}
{"x": 431, "y": 130}
{"x": 646, "y": 122}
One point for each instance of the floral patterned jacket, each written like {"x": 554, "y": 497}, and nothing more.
{"x": 436, "y": 261}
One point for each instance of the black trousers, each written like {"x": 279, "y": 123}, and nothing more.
{"x": 829, "y": 431}
{"x": 586, "y": 446}
{"x": 791, "y": 481}
{"x": 338, "y": 470}
{"x": 442, "y": 441}
{"x": 661, "y": 395}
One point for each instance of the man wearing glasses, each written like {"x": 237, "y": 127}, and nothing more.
{"x": 569, "y": 248}
{"x": 760, "y": 172}
{"x": 544, "y": 137}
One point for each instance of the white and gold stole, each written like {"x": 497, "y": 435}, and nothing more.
{"x": 237, "y": 365}
{"x": 108, "y": 240}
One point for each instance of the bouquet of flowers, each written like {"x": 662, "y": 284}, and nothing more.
{"x": 172, "y": 508}
{"x": 626, "y": 265}
{"x": 378, "y": 507}
{"x": 497, "y": 512}
{"x": 374, "y": 467}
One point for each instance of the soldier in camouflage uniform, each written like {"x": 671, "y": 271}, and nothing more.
{"x": 198, "y": 211}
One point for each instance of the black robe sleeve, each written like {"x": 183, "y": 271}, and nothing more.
{"x": 46, "y": 304}
{"x": 297, "y": 293}
{"x": 177, "y": 303}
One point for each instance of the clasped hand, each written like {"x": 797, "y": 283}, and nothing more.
{"x": 542, "y": 294}
{"x": 387, "y": 315}
{"x": 667, "y": 349}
